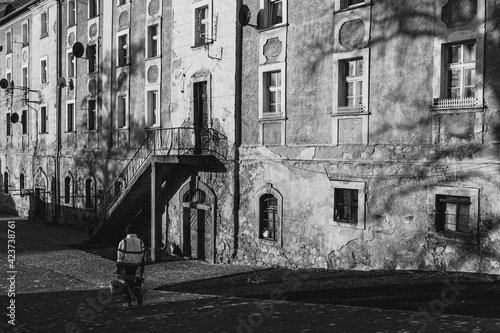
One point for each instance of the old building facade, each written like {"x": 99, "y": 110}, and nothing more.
{"x": 336, "y": 134}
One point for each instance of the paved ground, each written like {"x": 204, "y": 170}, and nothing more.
{"x": 61, "y": 289}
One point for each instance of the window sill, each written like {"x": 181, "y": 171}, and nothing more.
{"x": 272, "y": 27}
{"x": 353, "y": 225}
{"x": 122, "y": 65}
{"x": 455, "y": 236}
{"x": 271, "y": 118}
{"x": 122, "y": 129}
{"x": 44, "y": 35}
{"x": 268, "y": 241}
{"x": 153, "y": 58}
{"x": 353, "y": 7}
{"x": 197, "y": 46}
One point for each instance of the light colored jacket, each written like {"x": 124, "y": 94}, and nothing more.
{"x": 131, "y": 251}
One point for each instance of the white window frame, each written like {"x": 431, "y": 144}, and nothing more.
{"x": 44, "y": 70}
{"x": 25, "y": 123}
{"x": 44, "y": 24}
{"x": 148, "y": 114}
{"x": 264, "y": 89}
{"x": 119, "y": 55}
{"x": 125, "y": 111}
{"x": 43, "y": 121}
{"x": 461, "y": 65}
{"x": 25, "y": 76}
{"x": 73, "y": 123}
{"x": 152, "y": 41}
{"x": 350, "y": 185}
{"x": 96, "y": 9}
{"x": 95, "y": 114}
{"x": 72, "y": 19}
{"x": 70, "y": 65}
{"x": 266, "y": 20}
{"x": 208, "y": 22}
{"x": 25, "y": 33}
{"x": 8, "y": 41}
{"x": 96, "y": 60}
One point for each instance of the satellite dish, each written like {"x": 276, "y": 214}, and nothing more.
{"x": 244, "y": 15}
{"x": 4, "y": 83}
{"x": 14, "y": 118}
{"x": 61, "y": 82}
{"x": 78, "y": 50}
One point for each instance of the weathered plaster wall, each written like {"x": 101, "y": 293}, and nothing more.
{"x": 399, "y": 166}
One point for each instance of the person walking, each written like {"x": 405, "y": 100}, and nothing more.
{"x": 131, "y": 255}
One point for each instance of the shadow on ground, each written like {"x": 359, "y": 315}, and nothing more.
{"x": 428, "y": 291}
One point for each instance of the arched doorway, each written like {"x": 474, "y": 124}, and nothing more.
{"x": 40, "y": 196}
{"x": 198, "y": 221}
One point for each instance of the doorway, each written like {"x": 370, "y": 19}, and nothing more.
{"x": 200, "y": 115}
{"x": 40, "y": 204}
{"x": 198, "y": 224}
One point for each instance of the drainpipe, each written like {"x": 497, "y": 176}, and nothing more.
{"x": 58, "y": 110}
{"x": 237, "y": 129}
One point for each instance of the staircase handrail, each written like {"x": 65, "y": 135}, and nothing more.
{"x": 179, "y": 139}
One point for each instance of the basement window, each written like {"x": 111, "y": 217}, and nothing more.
{"x": 453, "y": 213}
{"x": 456, "y": 213}
{"x": 268, "y": 217}
{"x": 349, "y": 203}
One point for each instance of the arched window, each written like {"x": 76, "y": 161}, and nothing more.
{"x": 268, "y": 216}
{"x": 6, "y": 182}
{"x": 68, "y": 189}
{"x": 89, "y": 189}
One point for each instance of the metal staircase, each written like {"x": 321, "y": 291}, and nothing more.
{"x": 180, "y": 150}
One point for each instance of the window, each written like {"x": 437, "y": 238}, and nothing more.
{"x": 268, "y": 216}
{"x": 8, "y": 38}
{"x": 92, "y": 58}
{"x": 5, "y": 182}
{"x": 21, "y": 181}
{"x": 25, "y": 34}
{"x": 7, "y": 123}
{"x": 71, "y": 13}
{"x": 71, "y": 65}
{"x": 456, "y": 211}
{"x": 152, "y": 108}
{"x": 453, "y": 213}
{"x": 43, "y": 70}
{"x": 346, "y": 205}
{"x": 24, "y": 121}
{"x": 70, "y": 117}
{"x": 460, "y": 70}
{"x": 153, "y": 41}
{"x": 122, "y": 111}
{"x": 352, "y": 82}
{"x": 274, "y": 13}
{"x": 89, "y": 189}
{"x": 272, "y": 95}
{"x": 68, "y": 189}
{"x": 202, "y": 33}
{"x": 25, "y": 77}
{"x": 93, "y": 8}
{"x": 121, "y": 2}
{"x": 44, "y": 24}
{"x": 92, "y": 118}
{"x": 43, "y": 119}
{"x": 123, "y": 50}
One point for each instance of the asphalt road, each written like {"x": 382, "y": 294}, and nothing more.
{"x": 61, "y": 289}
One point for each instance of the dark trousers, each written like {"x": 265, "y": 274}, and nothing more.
{"x": 129, "y": 278}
